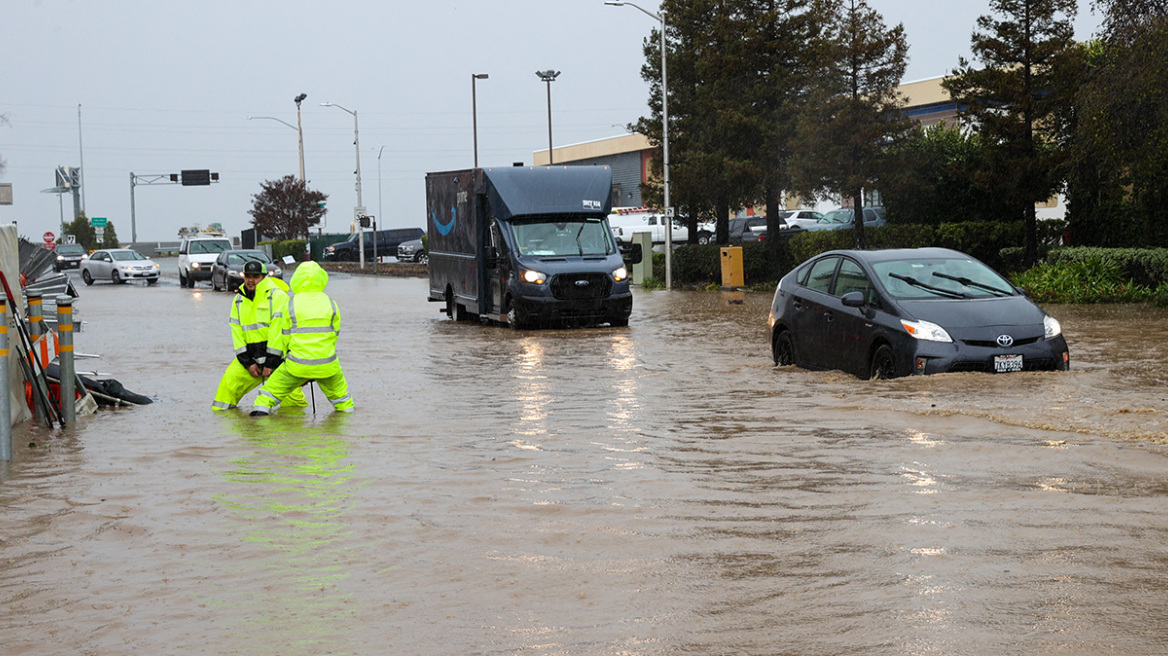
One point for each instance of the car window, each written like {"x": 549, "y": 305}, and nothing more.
{"x": 944, "y": 278}
{"x": 819, "y": 277}
{"x": 125, "y": 256}
{"x": 851, "y": 278}
{"x": 70, "y": 249}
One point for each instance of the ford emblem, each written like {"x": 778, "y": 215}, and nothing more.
{"x": 1005, "y": 341}
{"x": 584, "y": 283}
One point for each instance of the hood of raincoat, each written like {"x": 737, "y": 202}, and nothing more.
{"x": 309, "y": 277}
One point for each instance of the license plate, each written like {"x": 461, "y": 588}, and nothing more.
{"x": 1007, "y": 363}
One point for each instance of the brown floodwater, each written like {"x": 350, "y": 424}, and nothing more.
{"x": 660, "y": 489}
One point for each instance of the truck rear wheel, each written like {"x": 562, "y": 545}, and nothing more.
{"x": 454, "y": 311}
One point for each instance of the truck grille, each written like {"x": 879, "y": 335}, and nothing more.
{"x": 580, "y": 286}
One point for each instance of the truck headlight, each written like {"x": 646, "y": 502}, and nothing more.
{"x": 620, "y": 273}
{"x": 532, "y": 276}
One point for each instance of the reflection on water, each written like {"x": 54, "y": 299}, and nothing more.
{"x": 290, "y": 495}
{"x": 660, "y": 489}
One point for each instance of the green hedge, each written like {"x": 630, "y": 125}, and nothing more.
{"x": 293, "y": 247}
{"x": 1143, "y": 266}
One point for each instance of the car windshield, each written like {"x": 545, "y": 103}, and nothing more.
{"x": 838, "y": 216}
{"x": 941, "y": 278}
{"x": 243, "y": 258}
{"x": 70, "y": 249}
{"x": 215, "y": 246}
{"x": 123, "y": 256}
{"x": 562, "y": 237}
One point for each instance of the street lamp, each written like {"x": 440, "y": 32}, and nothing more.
{"x": 359, "y": 211}
{"x": 300, "y": 131}
{"x": 664, "y": 139}
{"x": 273, "y": 118}
{"x": 474, "y": 113}
{"x": 549, "y": 76}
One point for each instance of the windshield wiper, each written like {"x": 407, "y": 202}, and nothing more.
{"x": 969, "y": 283}
{"x": 936, "y": 290}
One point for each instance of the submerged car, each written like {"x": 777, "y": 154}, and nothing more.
{"x": 119, "y": 265}
{"x": 889, "y": 313}
{"x": 227, "y": 271}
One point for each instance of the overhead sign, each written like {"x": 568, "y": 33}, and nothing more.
{"x": 99, "y": 222}
{"x": 196, "y": 177}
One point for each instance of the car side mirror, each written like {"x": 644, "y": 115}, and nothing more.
{"x": 632, "y": 253}
{"x": 854, "y": 299}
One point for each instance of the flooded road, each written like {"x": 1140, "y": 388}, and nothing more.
{"x": 660, "y": 489}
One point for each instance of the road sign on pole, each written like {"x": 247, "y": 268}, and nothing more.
{"x": 50, "y": 237}
{"x": 99, "y": 222}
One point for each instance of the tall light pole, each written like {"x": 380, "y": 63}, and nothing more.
{"x": 474, "y": 113}
{"x": 359, "y": 211}
{"x": 664, "y": 139}
{"x": 381, "y": 150}
{"x": 300, "y": 131}
{"x": 549, "y": 76}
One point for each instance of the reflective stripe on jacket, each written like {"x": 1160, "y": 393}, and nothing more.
{"x": 251, "y": 319}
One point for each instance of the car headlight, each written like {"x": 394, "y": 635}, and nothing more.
{"x": 532, "y": 276}
{"x": 157, "y": 266}
{"x": 620, "y": 273}
{"x": 61, "y": 258}
{"x": 926, "y": 330}
{"x": 235, "y": 273}
{"x": 1052, "y": 326}
{"x": 126, "y": 267}
{"x": 194, "y": 265}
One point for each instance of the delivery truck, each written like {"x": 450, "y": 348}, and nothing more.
{"x": 527, "y": 246}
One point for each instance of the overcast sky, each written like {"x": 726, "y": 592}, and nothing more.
{"x": 166, "y": 86}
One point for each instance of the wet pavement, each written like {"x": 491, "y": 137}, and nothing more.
{"x": 660, "y": 489}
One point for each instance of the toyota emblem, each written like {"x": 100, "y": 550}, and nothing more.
{"x": 1005, "y": 341}
{"x": 584, "y": 283}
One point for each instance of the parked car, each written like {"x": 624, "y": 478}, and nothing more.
{"x": 843, "y": 218}
{"x": 119, "y": 265}
{"x": 69, "y": 256}
{"x": 802, "y": 218}
{"x": 748, "y": 228}
{"x": 412, "y": 251}
{"x": 387, "y": 243}
{"x": 888, "y": 313}
{"x": 227, "y": 271}
{"x": 195, "y": 257}
{"x": 626, "y": 221}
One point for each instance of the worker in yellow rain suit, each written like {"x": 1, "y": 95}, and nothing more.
{"x": 258, "y": 300}
{"x": 304, "y": 339}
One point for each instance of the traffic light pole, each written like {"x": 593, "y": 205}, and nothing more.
{"x": 194, "y": 178}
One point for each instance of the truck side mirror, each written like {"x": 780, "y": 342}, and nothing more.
{"x": 631, "y": 253}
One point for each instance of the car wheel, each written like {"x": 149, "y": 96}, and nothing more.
{"x": 86, "y": 277}
{"x": 883, "y": 364}
{"x": 515, "y": 318}
{"x": 182, "y": 280}
{"x": 152, "y": 281}
{"x": 705, "y": 237}
{"x": 783, "y": 349}
{"x": 115, "y": 279}
{"x": 423, "y": 258}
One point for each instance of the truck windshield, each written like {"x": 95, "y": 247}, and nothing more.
{"x": 560, "y": 237}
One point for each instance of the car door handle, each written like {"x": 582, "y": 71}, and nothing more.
{"x": 797, "y": 303}
{"x": 829, "y": 315}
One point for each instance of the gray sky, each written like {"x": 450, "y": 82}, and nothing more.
{"x": 166, "y": 86}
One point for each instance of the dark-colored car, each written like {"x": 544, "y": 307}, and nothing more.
{"x": 387, "y": 243}
{"x": 69, "y": 256}
{"x": 888, "y": 313}
{"x": 227, "y": 271}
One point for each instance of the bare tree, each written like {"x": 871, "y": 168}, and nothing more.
{"x": 285, "y": 208}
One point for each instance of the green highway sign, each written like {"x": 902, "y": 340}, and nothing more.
{"x": 99, "y": 222}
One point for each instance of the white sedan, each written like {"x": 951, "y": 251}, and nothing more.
{"x": 119, "y": 265}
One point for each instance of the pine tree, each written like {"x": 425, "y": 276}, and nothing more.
{"x": 855, "y": 110}
{"x": 1015, "y": 100}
